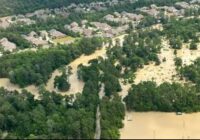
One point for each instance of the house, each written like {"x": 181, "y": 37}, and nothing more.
{"x": 134, "y": 17}
{"x": 116, "y": 14}
{"x": 44, "y": 35}
{"x": 7, "y": 45}
{"x": 4, "y": 22}
{"x": 101, "y": 26}
{"x": 56, "y": 34}
{"x": 87, "y": 32}
{"x": 109, "y": 17}
{"x": 33, "y": 34}
{"x": 150, "y": 11}
{"x": 195, "y": 2}
{"x": 35, "y": 39}
{"x": 26, "y": 21}
{"x": 83, "y": 22}
{"x": 74, "y": 24}
{"x": 182, "y": 5}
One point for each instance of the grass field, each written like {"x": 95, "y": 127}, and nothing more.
{"x": 64, "y": 40}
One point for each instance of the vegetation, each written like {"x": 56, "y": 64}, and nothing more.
{"x": 109, "y": 108}
{"x": 192, "y": 72}
{"x": 9, "y": 7}
{"x": 62, "y": 82}
{"x": 193, "y": 46}
{"x": 67, "y": 117}
{"x": 175, "y": 43}
{"x": 138, "y": 49}
{"x": 147, "y": 96}
{"x": 101, "y": 71}
{"x": 30, "y": 67}
{"x": 178, "y": 62}
{"x": 182, "y": 31}
{"x": 16, "y": 38}
{"x": 50, "y": 117}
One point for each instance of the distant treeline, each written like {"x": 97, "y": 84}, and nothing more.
{"x": 10, "y": 7}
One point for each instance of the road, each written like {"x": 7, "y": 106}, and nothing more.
{"x": 98, "y": 124}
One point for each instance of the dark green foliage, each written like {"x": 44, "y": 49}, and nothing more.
{"x": 175, "y": 43}
{"x": 138, "y": 49}
{"x": 62, "y": 82}
{"x": 178, "y": 62}
{"x": 192, "y": 72}
{"x": 112, "y": 114}
{"x": 35, "y": 67}
{"x": 112, "y": 85}
{"x": 193, "y": 46}
{"x": 51, "y": 117}
{"x": 88, "y": 46}
{"x": 181, "y": 31}
{"x": 8, "y": 7}
{"x": 16, "y": 38}
{"x": 101, "y": 71}
{"x": 147, "y": 96}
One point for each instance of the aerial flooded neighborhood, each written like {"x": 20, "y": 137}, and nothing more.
{"x": 99, "y": 69}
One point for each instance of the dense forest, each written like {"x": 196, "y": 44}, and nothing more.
{"x": 147, "y": 96}
{"x": 100, "y": 72}
{"x": 62, "y": 82}
{"x": 110, "y": 108}
{"x": 52, "y": 116}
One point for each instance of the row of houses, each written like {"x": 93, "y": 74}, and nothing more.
{"x": 43, "y": 38}
{"x": 124, "y": 17}
{"x": 89, "y": 29}
{"x": 5, "y": 22}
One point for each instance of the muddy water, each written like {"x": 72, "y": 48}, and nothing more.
{"x": 5, "y": 82}
{"x": 157, "y": 125}
{"x": 166, "y": 71}
{"x": 76, "y": 85}
{"x": 161, "y": 73}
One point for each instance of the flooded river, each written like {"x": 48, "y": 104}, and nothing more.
{"x": 157, "y": 125}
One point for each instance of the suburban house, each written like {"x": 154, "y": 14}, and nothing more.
{"x": 7, "y": 45}
{"x": 54, "y": 34}
{"x": 35, "y": 39}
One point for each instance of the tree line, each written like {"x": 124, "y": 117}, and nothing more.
{"x": 147, "y": 96}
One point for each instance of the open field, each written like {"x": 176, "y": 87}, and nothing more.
{"x": 64, "y": 40}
